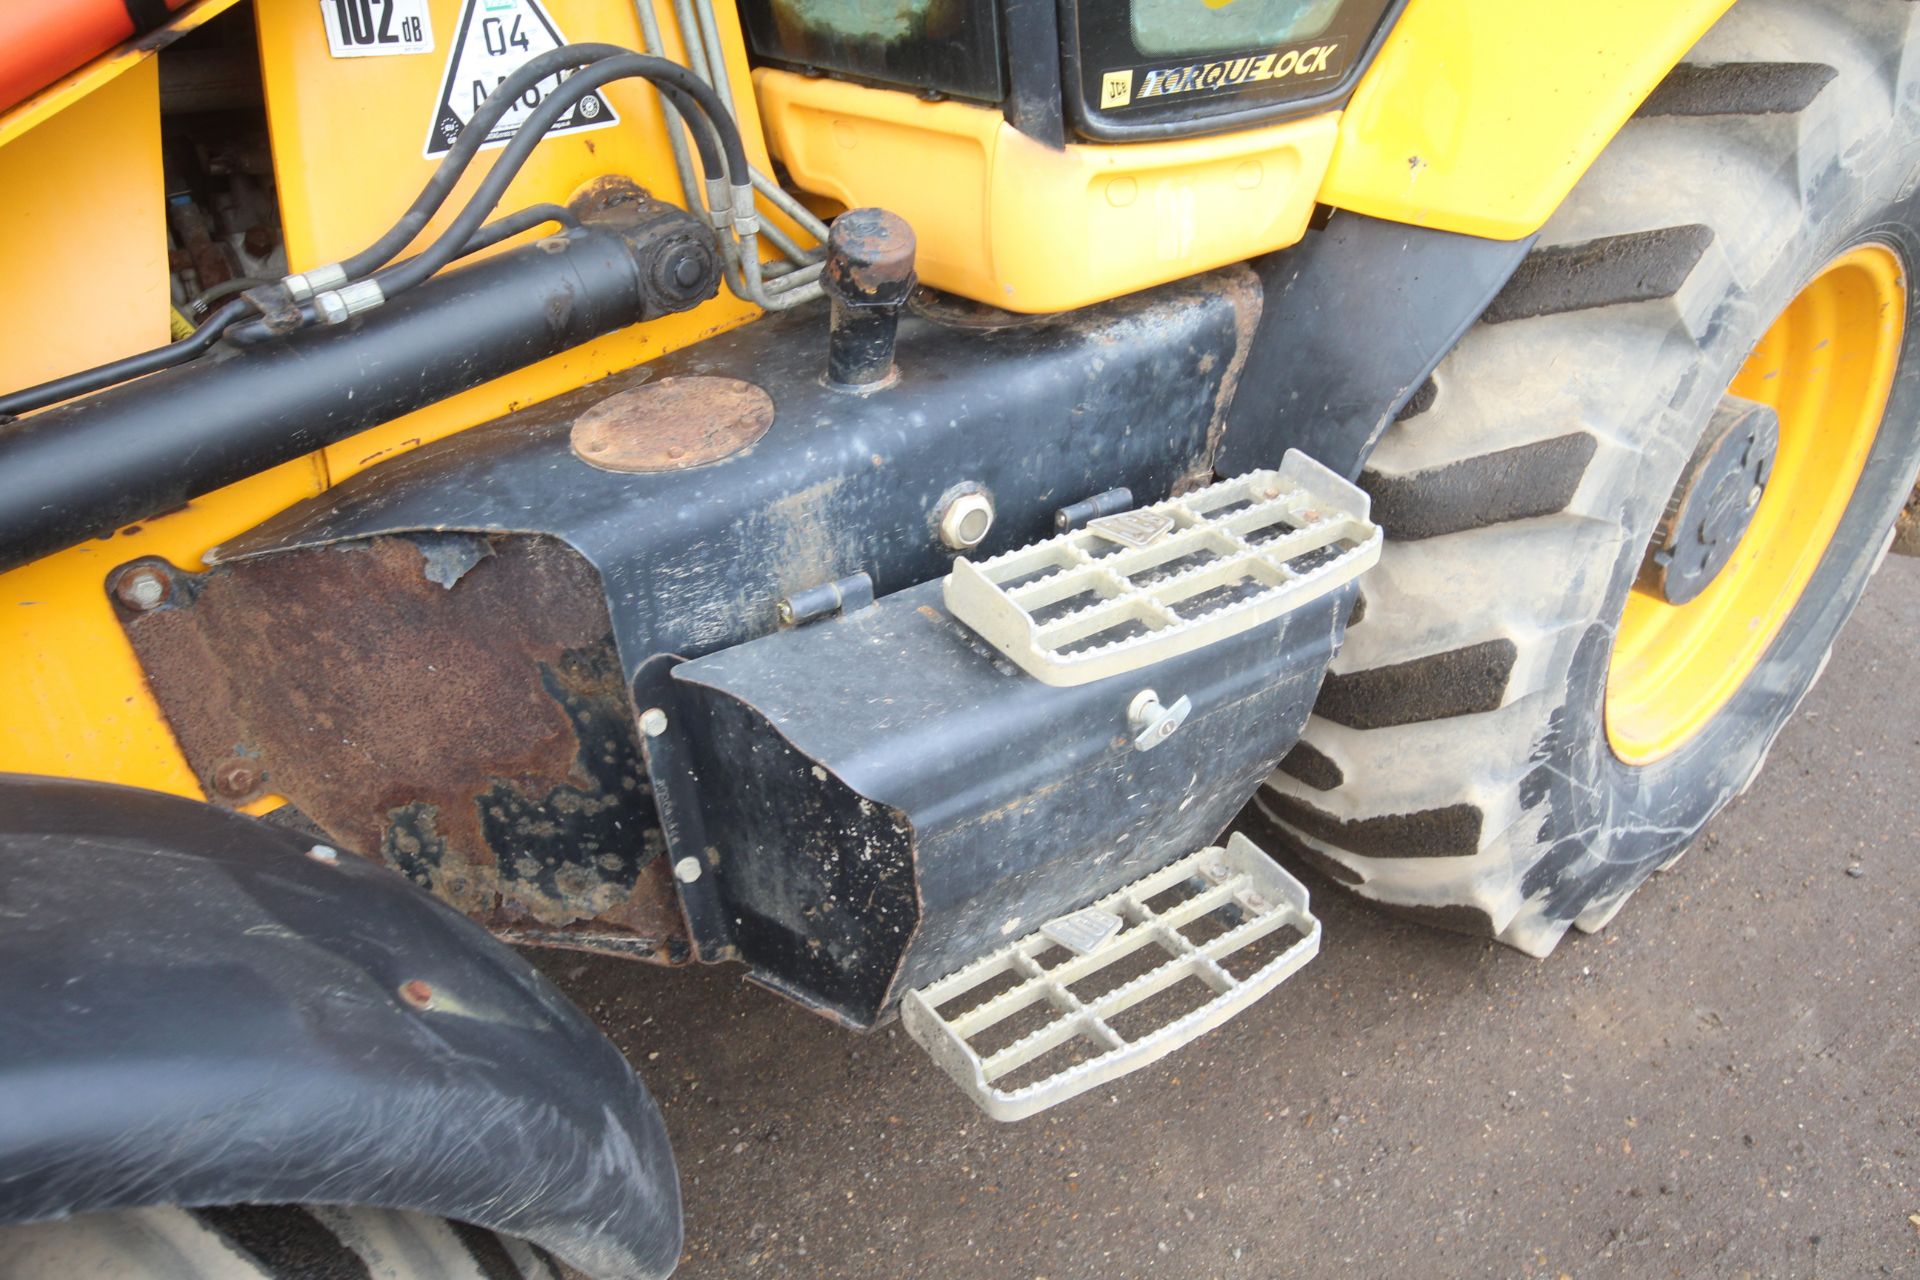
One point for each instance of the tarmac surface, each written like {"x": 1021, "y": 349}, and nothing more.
{"x": 1726, "y": 1082}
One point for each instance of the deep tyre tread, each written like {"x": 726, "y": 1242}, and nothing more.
{"x": 1512, "y": 484}
{"x": 1456, "y": 767}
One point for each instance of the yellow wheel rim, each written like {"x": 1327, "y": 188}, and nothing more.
{"x": 1825, "y": 366}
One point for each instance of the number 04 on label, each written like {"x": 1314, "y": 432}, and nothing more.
{"x": 375, "y": 28}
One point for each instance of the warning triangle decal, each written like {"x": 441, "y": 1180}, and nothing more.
{"x": 492, "y": 39}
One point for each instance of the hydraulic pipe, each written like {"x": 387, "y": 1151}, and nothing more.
{"x": 85, "y": 468}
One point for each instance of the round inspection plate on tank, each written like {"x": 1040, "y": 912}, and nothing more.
{"x": 672, "y": 424}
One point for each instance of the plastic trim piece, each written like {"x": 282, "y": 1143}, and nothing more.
{"x": 1239, "y": 880}
{"x": 1308, "y": 385}
{"x": 1031, "y": 228}
{"x": 1169, "y": 578}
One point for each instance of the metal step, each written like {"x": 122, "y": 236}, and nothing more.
{"x": 1142, "y": 586}
{"x": 1104, "y": 991}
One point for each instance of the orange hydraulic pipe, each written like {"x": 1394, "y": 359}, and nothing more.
{"x": 42, "y": 40}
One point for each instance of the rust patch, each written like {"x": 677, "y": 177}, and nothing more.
{"x": 672, "y": 424}
{"x": 1241, "y": 287}
{"x": 450, "y": 702}
{"x": 869, "y": 258}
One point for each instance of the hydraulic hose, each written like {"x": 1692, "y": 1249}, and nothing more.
{"x": 88, "y": 467}
{"x": 732, "y": 167}
{"x": 466, "y": 146}
{"x": 254, "y": 332}
{"x": 106, "y": 375}
{"x": 722, "y": 159}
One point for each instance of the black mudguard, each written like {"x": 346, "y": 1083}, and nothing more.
{"x": 1358, "y": 315}
{"x": 197, "y": 1011}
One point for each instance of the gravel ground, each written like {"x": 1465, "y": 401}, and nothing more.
{"x": 1724, "y": 1083}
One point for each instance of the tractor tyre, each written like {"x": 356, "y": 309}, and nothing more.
{"x": 266, "y": 1242}
{"x": 1649, "y": 488}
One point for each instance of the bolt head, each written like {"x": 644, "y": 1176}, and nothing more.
{"x": 237, "y": 777}
{"x": 141, "y": 589}
{"x": 324, "y": 853}
{"x": 687, "y": 870}
{"x": 966, "y": 521}
{"x": 653, "y": 722}
{"x": 417, "y": 993}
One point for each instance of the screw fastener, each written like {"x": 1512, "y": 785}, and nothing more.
{"x": 653, "y": 722}
{"x": 237, "y": 777}
{"x": 141, "y": 589}
{"x": 324, "y": 853}
{"x": 417, "y": 993}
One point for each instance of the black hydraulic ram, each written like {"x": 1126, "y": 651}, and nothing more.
{"x": 92, "y": 465}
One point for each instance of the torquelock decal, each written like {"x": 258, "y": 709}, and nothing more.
{"x": 492, "y": 39}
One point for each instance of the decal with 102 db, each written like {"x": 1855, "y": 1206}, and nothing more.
{"x": 376, "y": 28}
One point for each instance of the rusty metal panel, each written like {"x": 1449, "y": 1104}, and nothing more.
{"x": 451, "y": 702}
{"x": 394, "y": 656}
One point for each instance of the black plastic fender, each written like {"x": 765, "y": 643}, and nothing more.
{"x": 1358, "y": 316}
{"x": 198, "y": 1010}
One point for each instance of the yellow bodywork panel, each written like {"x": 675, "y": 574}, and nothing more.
{"x": 350, "y": 138}
{"x": 84, "y": 221}
{"x": 1003, "y": 219}
{"x": 107, "y": 146}
{"x": 70, "y": 89}
{"x": 1478, "y": 116}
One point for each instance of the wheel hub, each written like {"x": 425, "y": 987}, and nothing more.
{"x": 1714, "y": 502}
{"x": 1757, "y": 505}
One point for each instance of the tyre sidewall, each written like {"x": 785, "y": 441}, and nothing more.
{"x": 1609, "y": 823}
